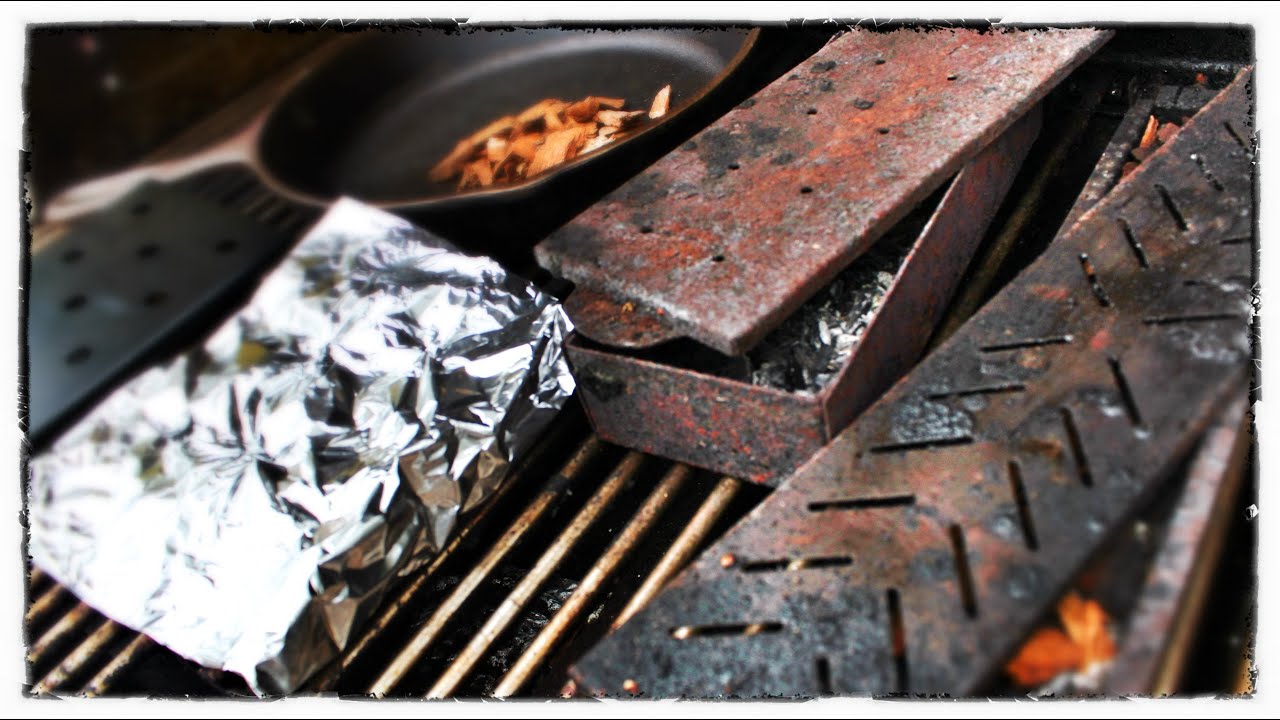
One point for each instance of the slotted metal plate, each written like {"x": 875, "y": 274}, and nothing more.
{"x": 915, "y": 552}
{"x": 125, "y": 281}
{"x": 724, "y": 238}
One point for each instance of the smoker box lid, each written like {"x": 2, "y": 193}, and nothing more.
{"x": 727, "y": 236}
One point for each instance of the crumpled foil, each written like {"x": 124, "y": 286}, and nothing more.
{"x": 249, "y": 503}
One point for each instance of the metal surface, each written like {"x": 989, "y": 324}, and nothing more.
{"x": 723, "y": 239}
{"x": 714, "y": 422}
{"x": 914, "y": 553}
{"x": 988, "y": 263}
{"x": 124, "y": 282}
{"x": 1154, "y": 651}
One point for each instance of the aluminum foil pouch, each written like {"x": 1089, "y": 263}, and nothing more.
{"x": 249, "y": 503}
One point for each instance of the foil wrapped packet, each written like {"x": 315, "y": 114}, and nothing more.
{"x": 249, "y": 503}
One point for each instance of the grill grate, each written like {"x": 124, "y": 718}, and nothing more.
{"x": 1003, "y": 494}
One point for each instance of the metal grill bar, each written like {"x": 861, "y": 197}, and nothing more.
{"x": 60, "y": 630}
{"x": 506, "y": 613}
{"x": 79, "y": 658}
{"x": 570, "y": 475}
{"x": 684, "y": 547}
{"x": 46, "y": 600}
{"x": 105, "y": 679}
{"x": 596, "y": 578}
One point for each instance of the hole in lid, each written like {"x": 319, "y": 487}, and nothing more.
{"x": 733, "y": 166}
{"x": 225, "y": 245}
{"x": 811, "y": 111}
{"x": 148, "y": 250}
{"x": 805, "y": 190}
{"x": 75, "y": 302}
{"x": 78, "y": 355}
{"x": 72, "y": 256}
{"x": 717, "y": 258}
{"x": 883, "y": 131}
{"x": 952, "y": 77}
{"x": 880, "y": 61}
{"x": 154, "y": 298}
{"x": 646, "y": 229}
{"x": 141, "y": 209}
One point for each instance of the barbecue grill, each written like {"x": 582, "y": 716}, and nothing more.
{"x": 565, "y": 583}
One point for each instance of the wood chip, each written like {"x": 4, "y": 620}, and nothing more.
{"x": 542, "y": 136}
{"x": 618, "y": 118}
{"x": 1149, "y": 135}
{"x": 661, "y": 102}
{"x": 584, "y": 110}
{"x": 1050, "y": 652}
{"x": 558, "y": 147}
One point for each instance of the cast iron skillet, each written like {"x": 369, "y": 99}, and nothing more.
{"x": 370, "y": 121}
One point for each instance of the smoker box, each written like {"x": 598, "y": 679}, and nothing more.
{"x": 759, "y": 432}
{"x": 721, "y": 243}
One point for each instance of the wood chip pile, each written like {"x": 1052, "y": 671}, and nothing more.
{"x": 547, "y": 134}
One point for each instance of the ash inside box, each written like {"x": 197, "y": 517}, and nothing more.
{"x": 807, "y": 351}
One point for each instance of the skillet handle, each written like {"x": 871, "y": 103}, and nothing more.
{"x": 95, "y": 194}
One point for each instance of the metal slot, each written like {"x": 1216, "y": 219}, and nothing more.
{"x": 822, "y": 669}
{"x": 964, "y": 575}
{"x": 990, "y": 390}
{"x": 1024, "y": 507}
{"x": 798, "y": 564}
{"x": 1235, "y": 135}
{"x": 921, "y": 445}
{"x": 1134, "y": 244}
{"x": 1077, "y": 447}
{"x": 685, "y": 632}
{"x": 1169, "y": 205}
{"x": 1242, "y": 240}
{"x": 1130, "y": 403}
{"x": 1094, "y": 284}
{"x": 898, "y": 642}
{"x": 1208, "y": 174}
{"x": 1033, "y": 342}
{"x": 1192, "y": 318}
{"x": 864, "y": 503}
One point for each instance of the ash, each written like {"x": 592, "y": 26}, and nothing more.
{"x": 809, "y": 348}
